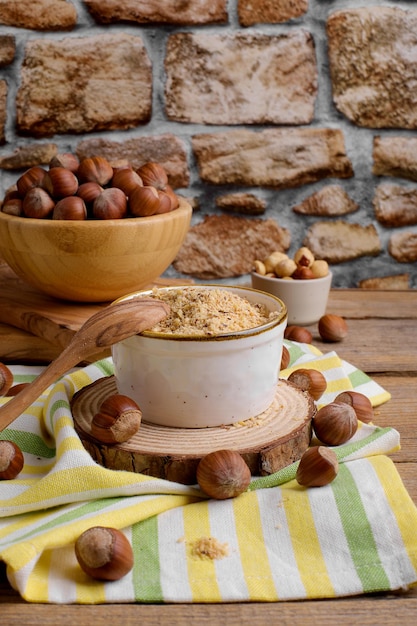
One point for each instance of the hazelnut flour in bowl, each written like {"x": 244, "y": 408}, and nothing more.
{"x": 214, "y": 360}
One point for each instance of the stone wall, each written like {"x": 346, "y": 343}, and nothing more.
{"x": 285, "y": 122}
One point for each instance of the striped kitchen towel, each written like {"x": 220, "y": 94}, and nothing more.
{"x": 278, "y": 541}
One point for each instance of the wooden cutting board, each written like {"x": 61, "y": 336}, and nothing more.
{"x": 35, "y": 327}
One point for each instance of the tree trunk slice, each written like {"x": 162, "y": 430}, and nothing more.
{"x": 268, "y": 442}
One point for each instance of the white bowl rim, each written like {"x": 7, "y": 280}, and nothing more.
{"x": 293, "y": 281}
{"x": 248, "y": 332}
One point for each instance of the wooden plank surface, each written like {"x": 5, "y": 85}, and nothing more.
{"x": 381, "y": 341}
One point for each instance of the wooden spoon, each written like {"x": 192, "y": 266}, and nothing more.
{"x": 103, "y": 329}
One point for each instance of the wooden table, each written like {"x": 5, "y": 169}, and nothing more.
{"x": 382, "y": 341}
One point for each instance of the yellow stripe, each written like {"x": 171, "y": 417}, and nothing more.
{"x": 305, "y": 542}
{"x": 252, "y": 549}
{"x": 37, "y": 584}
{"x": 400, "y": 502}
{"x": 201, "y": 571}
{"x": 19, "y": 555}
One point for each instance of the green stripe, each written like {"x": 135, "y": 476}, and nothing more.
{"x": 358, "y": 378}
{"x": 358, "y": 533}
{"x": 146, "y": 571}
{"x": 78, "y": 513}
{"x": 29, "y": 442}
{"x": 347, "y": 449}
{"x": 289, "y": 472}
{"x": 295, "y": 351}
{"x": 106, "y": 366}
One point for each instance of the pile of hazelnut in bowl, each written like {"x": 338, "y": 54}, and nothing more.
{"x": 90, "y": 232}
{"x": 302, "y": 282}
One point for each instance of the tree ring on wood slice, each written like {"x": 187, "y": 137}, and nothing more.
{"x": 268, "y": 442}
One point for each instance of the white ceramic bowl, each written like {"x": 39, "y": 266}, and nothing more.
{"x": 199, "y": 382}
{"x": 306, "y": 300}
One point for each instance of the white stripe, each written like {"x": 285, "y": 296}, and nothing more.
{"x": 173, "y": 557}
{"x": 283, "y": 565}
{"x": 61, "y": 585}
{"x": 122, "y": 588}
{"x": 334, "y": 546}
{"x": 387, "y": 535}
{"x": 229, "y": 571}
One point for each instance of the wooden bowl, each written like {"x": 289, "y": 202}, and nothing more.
{"x": 93, "y": 260}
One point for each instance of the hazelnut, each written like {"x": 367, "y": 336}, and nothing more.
{"x": 259, "y": 267}
{"x": 104, "y": 553}
{"x": 15, "y": 389}
{"x": 359, "y": 402}
{"x": 285, "y": 358}
{"x": 111, "y": 204}
{"x": 153, "y": 175}
{"x": 332, "y": 327}
{"x": 144, "y": 201}
{"x": 126, "y": 179}
{"x": 309, "y": 380}
{"x": 335, "y": 423}
{"x": 302, "y": 273}
{"x": 70, "y": 208}
{"x": 89, "y": 191}
{"x": 65, "y": 159}
{"x": 319, "y": 268}
{"x": 12, "y": 206}
{"x": 273, "y": 259}
{"x": 95, "y": 169}
{"x": 318, "y": 466}
{"x": 11, "y": 460}
{"x": 117, "y": 420}
{"x": 6, "y": 379}
{"x": 33, "y": 177}
{"x": 285, "y": 268}
{"x": 304, "y": 257}
{"x": 165, "y": 203}
{"x": 173, "y": 196}
{"x": 298, "y": 333}
{"x": 37, "y": 203}
{"x": 60, "y": 182}
{"x": 223, "y": 474}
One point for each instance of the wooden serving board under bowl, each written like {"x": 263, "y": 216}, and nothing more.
{"x": 35, "y": 327}
{"x": 268, "y": 442}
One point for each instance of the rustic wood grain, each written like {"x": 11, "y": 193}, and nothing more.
{"x": 267, "y": 444}
{"x": 378, "y": 343}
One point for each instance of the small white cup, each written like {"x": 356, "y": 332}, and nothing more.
{"x": 306, "y": 300}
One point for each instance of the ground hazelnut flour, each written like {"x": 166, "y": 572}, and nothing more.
{"x": 206, "y": 312}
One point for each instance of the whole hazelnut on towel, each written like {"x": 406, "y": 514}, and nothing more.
{"x": 318, "y": 466}
{"x": 309, "y": 380}
{"x": 223, "y": 474}
{"x": 361, "y": 403}
{"x": 104, "y": 553}
{"x": 6, "y": 379}
{"x": 11, "y": 460}
{"x": 335, "y": 423}
{"x": 117, "y": 419}
{"x": 285, "y": 358}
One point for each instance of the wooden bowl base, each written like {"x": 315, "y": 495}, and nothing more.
{"x": 268, "y": 442}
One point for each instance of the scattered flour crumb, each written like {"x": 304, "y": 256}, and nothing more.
{"x": 209, "y": 548}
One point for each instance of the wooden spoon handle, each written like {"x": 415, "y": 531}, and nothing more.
{"x": 110, "y": 325}
{"x": 18, "y": 403}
